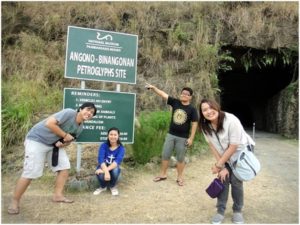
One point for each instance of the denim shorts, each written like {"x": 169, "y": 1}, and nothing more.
{"x": 36, "y": 154}
{"x": 176, "y": 143}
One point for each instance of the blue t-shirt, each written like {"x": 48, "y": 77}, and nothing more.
{"x": 108, "y": 156}
{"x": 66, "y": 121}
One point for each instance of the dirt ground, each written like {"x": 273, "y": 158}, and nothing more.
{"x": 272, "y": 197}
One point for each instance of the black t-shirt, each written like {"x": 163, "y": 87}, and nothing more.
{"x": 182, "y": 116}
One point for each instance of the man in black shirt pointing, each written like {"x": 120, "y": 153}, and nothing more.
{"x": 179, "y": 137}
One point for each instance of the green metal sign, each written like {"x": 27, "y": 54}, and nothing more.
{"x": 114, "y": 109}
{"x": 101, "y": 55}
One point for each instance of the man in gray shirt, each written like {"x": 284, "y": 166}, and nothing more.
{"x": 58, "y": 131}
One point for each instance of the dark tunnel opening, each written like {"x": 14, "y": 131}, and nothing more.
{"x": 246, "y": 93}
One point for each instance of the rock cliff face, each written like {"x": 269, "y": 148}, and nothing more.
{"x": 282, "y": 112}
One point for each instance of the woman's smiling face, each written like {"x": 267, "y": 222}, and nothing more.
{"x": 113, "y": 136}
{"x": 208, "y": 112}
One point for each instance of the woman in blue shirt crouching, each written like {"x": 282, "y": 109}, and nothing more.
{"x": 110, "y": 156}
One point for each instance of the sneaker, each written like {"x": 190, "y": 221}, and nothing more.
{"x": 237, "y": 218}
{"x": 99, "y": 190}
{"x": 114, "y": 191}
{"x": 217, "y": 219}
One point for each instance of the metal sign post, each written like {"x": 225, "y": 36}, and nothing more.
{"x": 118, "y": 88}
{"x": 78, "y": 160}
{"x": 79, "y": 146}
{"x": 253, "y": 132}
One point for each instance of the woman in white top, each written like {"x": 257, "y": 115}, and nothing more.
{"x": 226, "y": 137}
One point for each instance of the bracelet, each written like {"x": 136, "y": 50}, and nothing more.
{"x": 65, "y": 135}
{"x": 220, "y": 167}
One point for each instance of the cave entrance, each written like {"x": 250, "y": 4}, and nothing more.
{"x": 246, "y": 93}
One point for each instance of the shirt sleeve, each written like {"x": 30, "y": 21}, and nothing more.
{"x": 170, "y": 101}
{"x": 194, "y": 115}
{"x": 63, "y": 115}
{"x": 120, "y": 155}
{"x": 235, "y": 132}
{"x": 101, "y": 153}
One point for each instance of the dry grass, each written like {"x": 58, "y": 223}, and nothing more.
{"x": 261, "y": 25}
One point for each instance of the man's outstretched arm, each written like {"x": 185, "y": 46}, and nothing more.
{"x": 159, "y": 92}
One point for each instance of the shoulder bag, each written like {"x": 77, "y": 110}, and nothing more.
{"x": 247, "y": 166}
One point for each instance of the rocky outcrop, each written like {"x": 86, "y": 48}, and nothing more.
{"x": 282, "y": 112}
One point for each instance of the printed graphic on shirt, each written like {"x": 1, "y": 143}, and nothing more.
{"x": 179, "y": 117}
{"x": 110, "y": 159}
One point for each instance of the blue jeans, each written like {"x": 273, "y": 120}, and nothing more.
{"x": 114, "y": 177}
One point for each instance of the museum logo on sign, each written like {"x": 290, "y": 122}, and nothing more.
{"x": 103, "y": 42}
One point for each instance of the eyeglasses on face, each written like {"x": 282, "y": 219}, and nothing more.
{"x": 185, "y": 94}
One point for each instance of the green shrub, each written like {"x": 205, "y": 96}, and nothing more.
{"x": 16, "y": 121}
{"x": 199, "y": 145}
{"x": 149, "y": 137}
{"x": 23, "y": 102}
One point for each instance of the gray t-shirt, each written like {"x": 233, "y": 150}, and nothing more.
{"x": 233, "y": 133}
{"x": 66, "y": 121}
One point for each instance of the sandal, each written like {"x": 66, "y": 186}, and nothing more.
{"x": 13, "y": 211}
{"x": 180, "y": 182}
{"x": 64, "y": 200}
{"x": 157, "y": 179}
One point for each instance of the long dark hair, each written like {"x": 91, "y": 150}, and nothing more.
{"x": 118, "y": 141}
{"x": 204, "y": 125}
